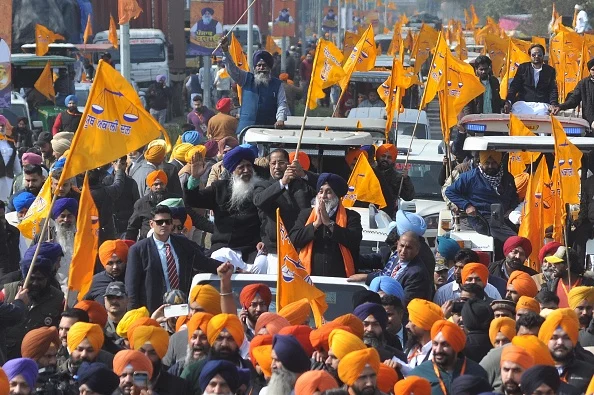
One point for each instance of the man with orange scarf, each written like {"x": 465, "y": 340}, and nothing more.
{"x": 328, "y": 235}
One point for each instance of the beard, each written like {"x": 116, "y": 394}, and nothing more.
{"x": 562, "y": 354}
{"x": 512, "y": 388}
{"x": 514, "y": 263}
{"x": 585, "y": 320}
{"x": 282, "y": 382}
{"x": 372, "y": 340}
{"x": 157, "y": 197}
{"x": 241, "y": 191}
{"x": 364, "y": 391}
{"x": 262, "y": 78}
{"x": 190, "y": 354}
{"x": 224, "y": 353}
{"x": 331, "y": 204}
{"x": 65, "y": 237}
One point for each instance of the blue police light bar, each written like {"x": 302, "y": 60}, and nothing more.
{"x": 573, "y": 131}
{"x": 474, "y": 127}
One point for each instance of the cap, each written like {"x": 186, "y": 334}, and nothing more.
{"x": 439, "y": 267}
{"x": 175, "y": 296}
{"x": 558, "y": 256}
{"x": 116, "y": 288}
{"x": 44, "y": 138}
{"x": 503, "y": 304}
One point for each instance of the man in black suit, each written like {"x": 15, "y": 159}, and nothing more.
{"x": 162, "y": 262}
{"x": 534, "y": 82}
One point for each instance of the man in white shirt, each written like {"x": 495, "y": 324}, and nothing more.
{"x": 581, "y": 20}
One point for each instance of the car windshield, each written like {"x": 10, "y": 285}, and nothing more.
{"x": 142, "y": 53}
{"x": 82, "y": 95}
{"x": 406, "y": 129}
{"x": 424, "y": 177}
{"x": 14, "y": 112}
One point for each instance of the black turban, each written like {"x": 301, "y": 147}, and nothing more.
{"x": 537, "y": 375}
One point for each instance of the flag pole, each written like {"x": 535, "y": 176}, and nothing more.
{"x": 307, "y": 103}
{"x": 233, "y": 27}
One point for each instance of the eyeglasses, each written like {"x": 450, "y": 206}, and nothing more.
{"x": 179, "y": 227}
{"x": 162, "y": 222}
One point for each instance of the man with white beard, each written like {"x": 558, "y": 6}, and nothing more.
{"x": 328, "y": 235}
{"x": 264, "y": 101}
{"x": 64, "y": 215}
{"x": 237, "y": 225}
{"x": 289, "y": 361}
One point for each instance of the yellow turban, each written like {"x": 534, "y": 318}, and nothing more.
{"x": 228, "y": 322}
{"x": 452, "y": 333}
{"x": 423, "y": 313}
{"x": 526, "y": 302}
{"x": 566, "y": 318}
{"x": 200, "y": 149}
{"x": 207, "y": 297}
{"x": 351, "y": 366}
{"x": 535, "y": 347}
{"x": 129, "y": 318}
{"x": 84, "y": 330}
{"x": 198, "y": 321}
{"x": 297, "y": 312}
{"x": 142, "y": 321}
{"x": 505, "y": 325}
{"x": 263, "y": 356}
{"x": 342, "y": 343}
{"x": 517, "y": 354}
{"x": 156, "y": 337}
{"x": 155, "y": 152}
{"x": 179, "y": 151}
{"x": 484, "y": 155}
{"x": 578, "y": 294}
{"x": 353, "y": 322}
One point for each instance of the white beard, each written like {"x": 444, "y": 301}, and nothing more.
{"x": 331, "y": 204}
{"x": 282, "y": 382}
{"x": 190, "y": 356}
{"x": 65, "y": 237}
{"x": 241, "y": 191}
{"x": 262, "y": 79}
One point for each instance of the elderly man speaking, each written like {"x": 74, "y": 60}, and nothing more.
{"x": 263, "y": 99}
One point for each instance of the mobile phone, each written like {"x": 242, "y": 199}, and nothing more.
{"x": 176, "y": 310}
{"x": 141, "y": 379}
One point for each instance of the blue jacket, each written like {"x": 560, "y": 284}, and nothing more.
{"x": 258, "y": 103}
{"x": 471, "y": 188}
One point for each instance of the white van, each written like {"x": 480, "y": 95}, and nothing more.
{"x": 240, "y": 33}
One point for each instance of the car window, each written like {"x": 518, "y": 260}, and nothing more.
{"x": 424, "y": 177}
{"x": 14, "y": 112}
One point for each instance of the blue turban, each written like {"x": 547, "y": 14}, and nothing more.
{"x": 25, "y": 367}
{"x": 254, "y": 148}
{"x": 291, "y": 353}
{"x": 193, "y": 137}
{"x": 233, "y": 158}
{"x": 71, "y": 98}
{"x": 447, "y": 247}
{"x": 63, "y": 204}
{"x": 44, "y": 265}
{"x": 161, "y": 77}
{"x": 376, "y": 310}
{"x": 225, "y": 369}
{"x": 336, "y": 182}
{"x": 265, "y": 56}
{"x": 23, "y": 200}
{"x": 59, "y": 164}
{"x": 406, "y": 221}
{"x": 48, "y": 250}
{"x": 98, "y": 377}
{"x": 388, "y": 285}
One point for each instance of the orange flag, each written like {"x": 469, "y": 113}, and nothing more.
{"x": 568, "y": 159}
{"x": 88, "y": 30}
{"x": 461, "y": 49}
{"x": 409, "y": 41}
{"x": 239, "y": 58}
{"x": 128, "y": 9}
{"x": 271, "y": 45}
{"x": 326, "y": 71}
{"x": 425, "y": 42}
{"x": 349, "y": 42}
{"x": 393, "y": 89}
{"x": 515, "y": 57}
{"x": 437, "y": 69}
{"x": 293, "y": 282}
{"x": 364, "y": 185}
{"x": 496, "y": 49}
{"x": 517, "y": 161}
{"x": 112, "y": 36}
{"x": 566, "y": 50}
{"x": 45, "y": 83}
{"x": 475, "y": 18}
{"x": 43, "y": 38}
{"x": 362, "y": 58}
{"x": 396, "y": 40}
{"x": 86, "y": 240}
{"x": 38, "y": 212}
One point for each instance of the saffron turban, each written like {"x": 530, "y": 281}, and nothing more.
{"x": 452, "y": 333}
{"x": 526, "y": 302}
{"x": 134, "y": 358}
{"x": 351, "y": 366}
{"x": 521, "y": 181}
{"x": 535, "y": 347}
{"x": 4, "y": 385}
{"x": 155, "y": 153}
{"x": 249, "y": 292}
{"x": 257, "y": 341}
{"x": 155, "y": 175}
{"x": 517, "y": 354}
{"x": 156, "y": 337}
{"x": 301, "y": 333}
{"x": 314, "y": 381}
{"x": 288, "y": 350}
{"x": 272, "y": 322}
{"x": 386, "y": 378}
{"x": 578, "y": 294}
{"x": 566, "y": 318}
{"x": 96, "y": 311}
{"x": 198, "y": 321}
{"x": 110, "y": 248}
{"x": 412, "y": 385}
{"x": 84, "y": 330}
{"x": 484, "y": 155}
{"x": 319, "y": 337}
{"x": 207, "y": 297}
{"x": 263, "y": 357}
{"x": 386, "y": 148}
{"x": 228, "y": 322}
{"x": 302, "y": 158}
{"x": 523, "y": 283}
{"x": 476, "y": 268}
{"x": 505, "y": 325}
{"x": 352, "y": 322}
{"x": 127, "y": 320}
{"x": 142, "y": 321}
{"x": 342, "y": 343}
{"x": 517, "y": 241}
{"x": 353, "y": 154}
{"x": 423, "y": 313}
{"x": 296, "y": 312}
{"x": 37, "y": 341}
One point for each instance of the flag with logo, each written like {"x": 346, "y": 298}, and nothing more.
{"x": 568, "y": 160}
{"x": 364, "y": 185}
{"x": 349, "y": 42}
{"x": 43, "y": 38}
{"x": 128, "y": 9}
{"x": 515, "y": 57}
{"x": 518, "y": 161}
{"x": 113, "y": 123}
{"x": 326, "y": 71}
{"x": 31, "y": 224}
{"x": 423, "y": 45}
{"x": 393, "y": 89}
{"x": 565, "y": 52}
{"x": 239, "y": 58}
{"x": 293, "y": 282}
{"x": 437, "y": 69}
{"x": 88, "y": 30}
{"x": 112, "y": 36}
{"x": 45, "y": 83}
{"x": 362, "y": 57}
{"x": 496, "y": 49}
{"x": 86, "y": 241}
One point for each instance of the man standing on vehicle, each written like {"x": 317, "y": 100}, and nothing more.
{"x": 67, "y": 121}
{"x": 159, "y": 95}
{"x": 488, "y": 102}
{"x": 390, "y": 179}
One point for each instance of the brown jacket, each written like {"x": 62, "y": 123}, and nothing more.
{"x": 221, "y": 126}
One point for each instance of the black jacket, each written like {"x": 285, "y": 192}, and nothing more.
{"x": 522, "y": 86}
{"x": 158, "y": 96}
{"x": 390, "y": 183}
{"x": 10, "y": 256}
{"x": 475, "y": 106}
{"x": 10, "y": 315}
{"x": 104, "y": 197}
{"x": 138, "y": 224}
{"x": 168, "y": 384}
{"x": 583, "y": 93}
{"x": 496, "y": 269}
{"x": 477, "y": 345}
{"x": 100, "y": 282}
{"x": 578, "y": 374}
{"x": 587, "y": 200}
{"x": 124, "y": 206}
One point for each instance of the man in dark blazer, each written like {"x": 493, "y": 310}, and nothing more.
{"x": 483, "y": 70}
{"x": 163, "y": 262}
{"x": 534, "y": 81}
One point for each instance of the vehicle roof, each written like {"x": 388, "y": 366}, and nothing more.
{"x": 523, "y": 143}
{"x": 310, "y": 137}
{"x": 374, "y": 77}
{"x": 323, "y": 122}
{"x": 541, "y": 124}
{"x": 16, "y": 98}
{"x": 420, "y": 149}
{"x": 134, "y": 33}
{"x": 243, "y": 26}
{"x": 29, "y": 60}
{"x": 408, "y": 116}
{"x": 254, "y": 278}
{"x": 67, "y": 46}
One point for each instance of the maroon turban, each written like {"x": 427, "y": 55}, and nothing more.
{"x": 517, "y": 241}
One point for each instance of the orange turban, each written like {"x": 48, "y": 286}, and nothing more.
{"x": 351, "y": 366}
{"x": 263, "y": 357}
{"x": 249, "y": 292}
{"x": 523, "y": 283}
{"x": 84, "y": 330}
{"x": 197, "y": 149}
{"x": 452, "y": 333}
{"x": 283, "y": 76}
{"x": 228, "y": 322}
{"x": 517, "y": 354}
{"x": 353, "y": 154}
{"x": 386, "y": 148}
{"x": 142, "y": 321}
{"x": 412, "y": 385}
{"x": 154, "y": 176}
{"x": 314, "y": 381}
{"x": 353, "y": 322}
{"x": 127, "y": 320}
{"x": 181, "y": 321}
{"x": 207, "y": 297}
{"x": 319, "y": 337}
{"x": 578, "y": 294}
{"x": 526, "y": 302}
{"x": 257, "y": 341}
{"x": 535, "y": 347}
{"x": 4, "y": 385}
{"x": 97, "y": 313}
{"x": 198, "y": 321}
{"x": 37, "y": 341}
{"x": 342, "y": 343}
{"x": 301, "y": 333}
{"x": 505, "y": 325}
{"x": 113, "y": 247}
{"x": 566, "y": 318}
{"x": 155, "y": 153}
{"x": 521, "y": 181}
{"x": 296, "y": 312}
{"x": 476, "y": 268}
{"x": 156, "y": 337}
{"x": 136, "y": 359}
{"x": 423, "y": 313}
{"x": 386, "y": 378}
{"x": 272, "y": 322}
{"x": 302, "y": 158}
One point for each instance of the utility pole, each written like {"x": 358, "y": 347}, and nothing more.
{"x": 125, "y": 50}
{"x": 250, "y": 37}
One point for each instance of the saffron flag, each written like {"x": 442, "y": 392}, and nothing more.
{"x": 293, "y": 282}
{"x": 362, "y": 58}
{"x": 496, "y": 49}
{"x": 271, "y": 45}
{"x": 45, "y": 83}
{"x": 515, "y": 57}
{"x": 396, "y": 40}
{"x": 239, "y": 58}
{"x": 437, "y": 69}
{"x": 461, "y": 49}
{"x": 88, "y": 30}
{"x": 475, "y": 18}
{"x": 409, "y": 41}
{"x": 393, "y": 89}
{"x": 364, "y": 185}
{"x": 349, "y": 42}
{"x": 113, "y": 123}
{"x": 43, "y": 38}
{"x": 326, "y": 71}
{"x": 423, "y": 46}
{"x": 566, "y": 49}
{"x": 86, "y": 242}
{"x": 112, "y": 36}
{"x": 517, "y": 161}
{"x": 568, "y": 159}
{"x": 31, "y": 224}
{"x": 128, "y": 9}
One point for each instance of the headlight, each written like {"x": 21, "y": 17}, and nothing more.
{"x": 432, "y": 221}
